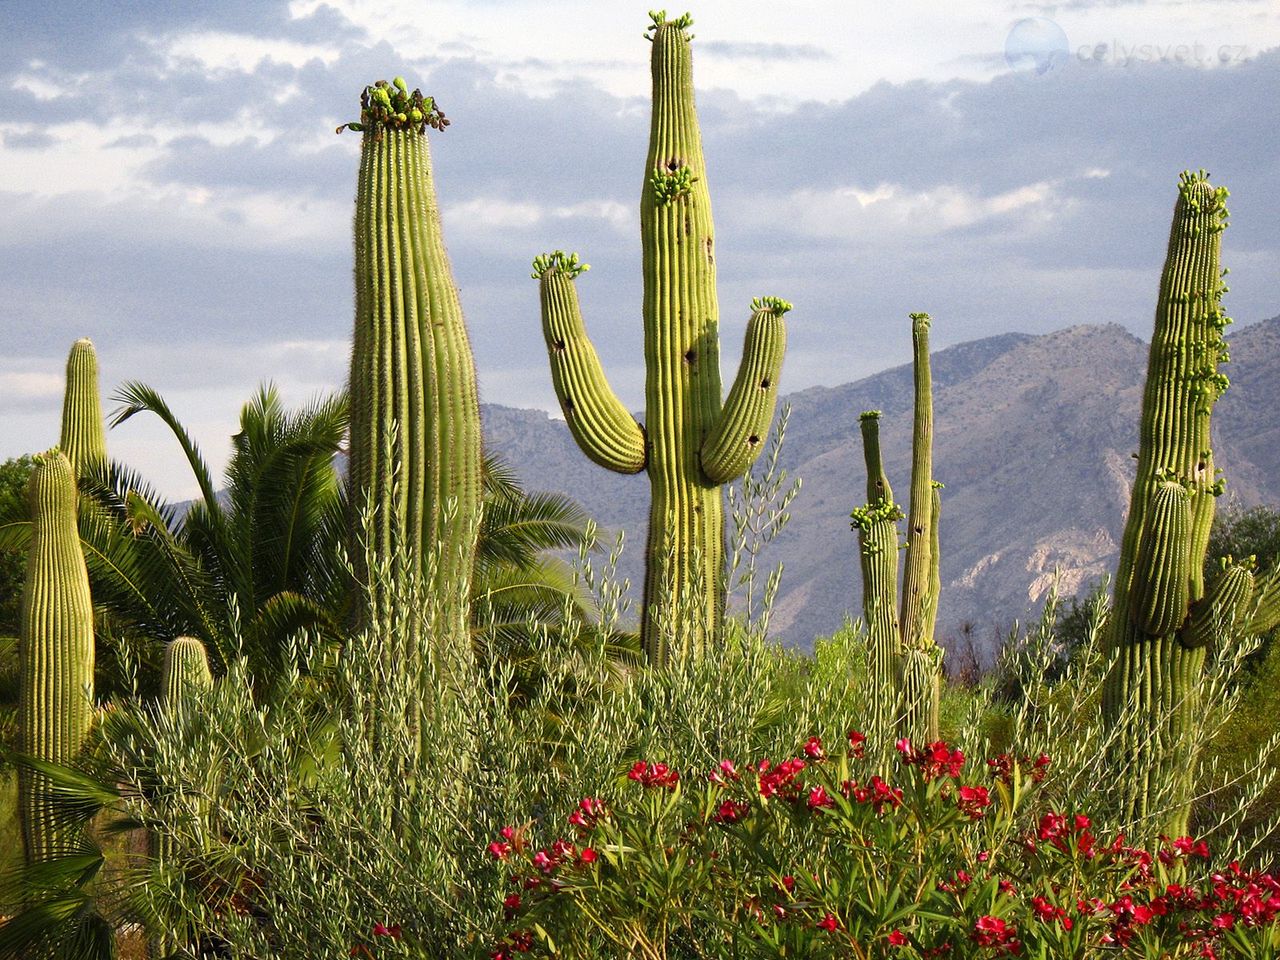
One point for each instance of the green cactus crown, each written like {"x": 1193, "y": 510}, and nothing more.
{"x": 659, "y": 18}
{"x": 866, "y": 415}
{"x": 867, "y": 516}
{"x": 774, "y": 305}
{"x": 1196, "y": 191}
{"x": 560, "y": 262}
{"x": 390, "y": 106}
{"x": 921, "y": 320}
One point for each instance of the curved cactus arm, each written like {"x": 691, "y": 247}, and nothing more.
{"x": 916, "y": 575}
{"x": 1223, "y": 609}
{"x": 598, "y": 420}
{"x": 1266, "y": 606}
{"x": 878, "y": 489}
{"x": 737, "y": 436}
{"x": 1161, "y": 571}
{"x": 84, "y": 439}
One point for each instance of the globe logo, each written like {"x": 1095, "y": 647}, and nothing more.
{"x": 1036, "y": 45}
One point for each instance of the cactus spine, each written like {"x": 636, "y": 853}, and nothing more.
{"x": 904, "y": 656}
{"x": 415, "y": 415}
{"x": 1159, "y": 652}
{"x": 693, "y": 441}
{"x": 55, "y": 704}
{"x": 83, "y": 435}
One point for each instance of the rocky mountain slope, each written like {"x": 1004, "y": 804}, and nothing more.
{"x": 1034, "y": 441}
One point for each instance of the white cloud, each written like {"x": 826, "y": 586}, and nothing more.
{"x": 851, "y": 213}
{"x": 239, "y": 52}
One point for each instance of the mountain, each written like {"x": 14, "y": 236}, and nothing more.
{"x": 1034, "y": 437}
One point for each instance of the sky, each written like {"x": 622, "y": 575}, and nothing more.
{"x": 171, "y": 185}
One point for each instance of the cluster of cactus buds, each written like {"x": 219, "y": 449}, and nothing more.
{"x": 391, "y": 106}
{"x": 669, "y": 186}
{"x": 658, "y": 18}
{"x": 565, "y": 264}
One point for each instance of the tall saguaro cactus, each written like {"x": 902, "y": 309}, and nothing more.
{"x": 1163, "y": 619}
{"x": 185, "y": 674}
{"x": 415, "y": 414}
{"x": 55, "y": 702}
{"x": 693, "y": 441}
{"x": 904, "y": 655}
{"x": 83, "y": 435}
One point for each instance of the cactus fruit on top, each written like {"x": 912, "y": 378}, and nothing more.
{"x": 415, "y": 417}
{"x": 1164, "y": 618}
{"x": 84, "y": 439}
{"x": 693, "y": 441}
{"x": 904, "y": 656}
{"x": 56, "y": 653}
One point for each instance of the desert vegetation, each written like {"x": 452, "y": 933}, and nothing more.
{"x": 408, "y": 708}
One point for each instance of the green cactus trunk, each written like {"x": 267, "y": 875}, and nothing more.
{"x": 1153, "y": 686}
{"x": 693, "y": 441}
{"x": 903, "y": 655}
{"x": 84, "y": 440}
{"x": 55, "y": 703}
{"x": 184, "y": 678}
{"x": 877, "y": 526}
{"x": 415, "y": 416}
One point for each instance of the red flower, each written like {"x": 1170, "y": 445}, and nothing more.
{"x": 587, "y": 855}
{"x": 381, "y": 930}
{"x": 829, "y": 923}
{"x": 819, "y": 798}
{"x": 499, "y": 850}
{"x": 856, "y": 741}
{"x": 653, "y": 775}
{"x": 897, "y": 938}
{"x": 726, "y": 773}
{"x": 731, "y": 811}
{"x": 813, "y": 749}
{"x": 989, "y": 931}
{"x": 511, "y": 904}
{"x": 973, "y": 801}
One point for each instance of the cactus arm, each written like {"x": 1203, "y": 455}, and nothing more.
{"x": 738, "y": 435}
{"x": 1160, "y": 571}
{"x": 916, "y": 566}
{"x": 1222, "y": 610}
{"x": 56, "y": 654}
{"x": 84, "y": 440}
{"x": 600, "y": 423}
{"x": 935, "y": 562}
{"x": 878, "y": 489}
{"x": 1266, "y": 606}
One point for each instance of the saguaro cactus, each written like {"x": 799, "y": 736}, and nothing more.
{"x": 692, "y": 441}
{"x": 84, "y": 438}
{"x": 1163, "y": 618}
{"x": 415, "y": 414}
{"x": 903, "y": 653}
{"x": 185, "y": 673}
{"x": 55, "y": 702}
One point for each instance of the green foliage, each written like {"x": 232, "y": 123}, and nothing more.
{"x": 1239, "y": 533}
{"x": 14, "y": 475}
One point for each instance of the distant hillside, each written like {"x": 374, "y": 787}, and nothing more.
{"x": 1034, "y": 437}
